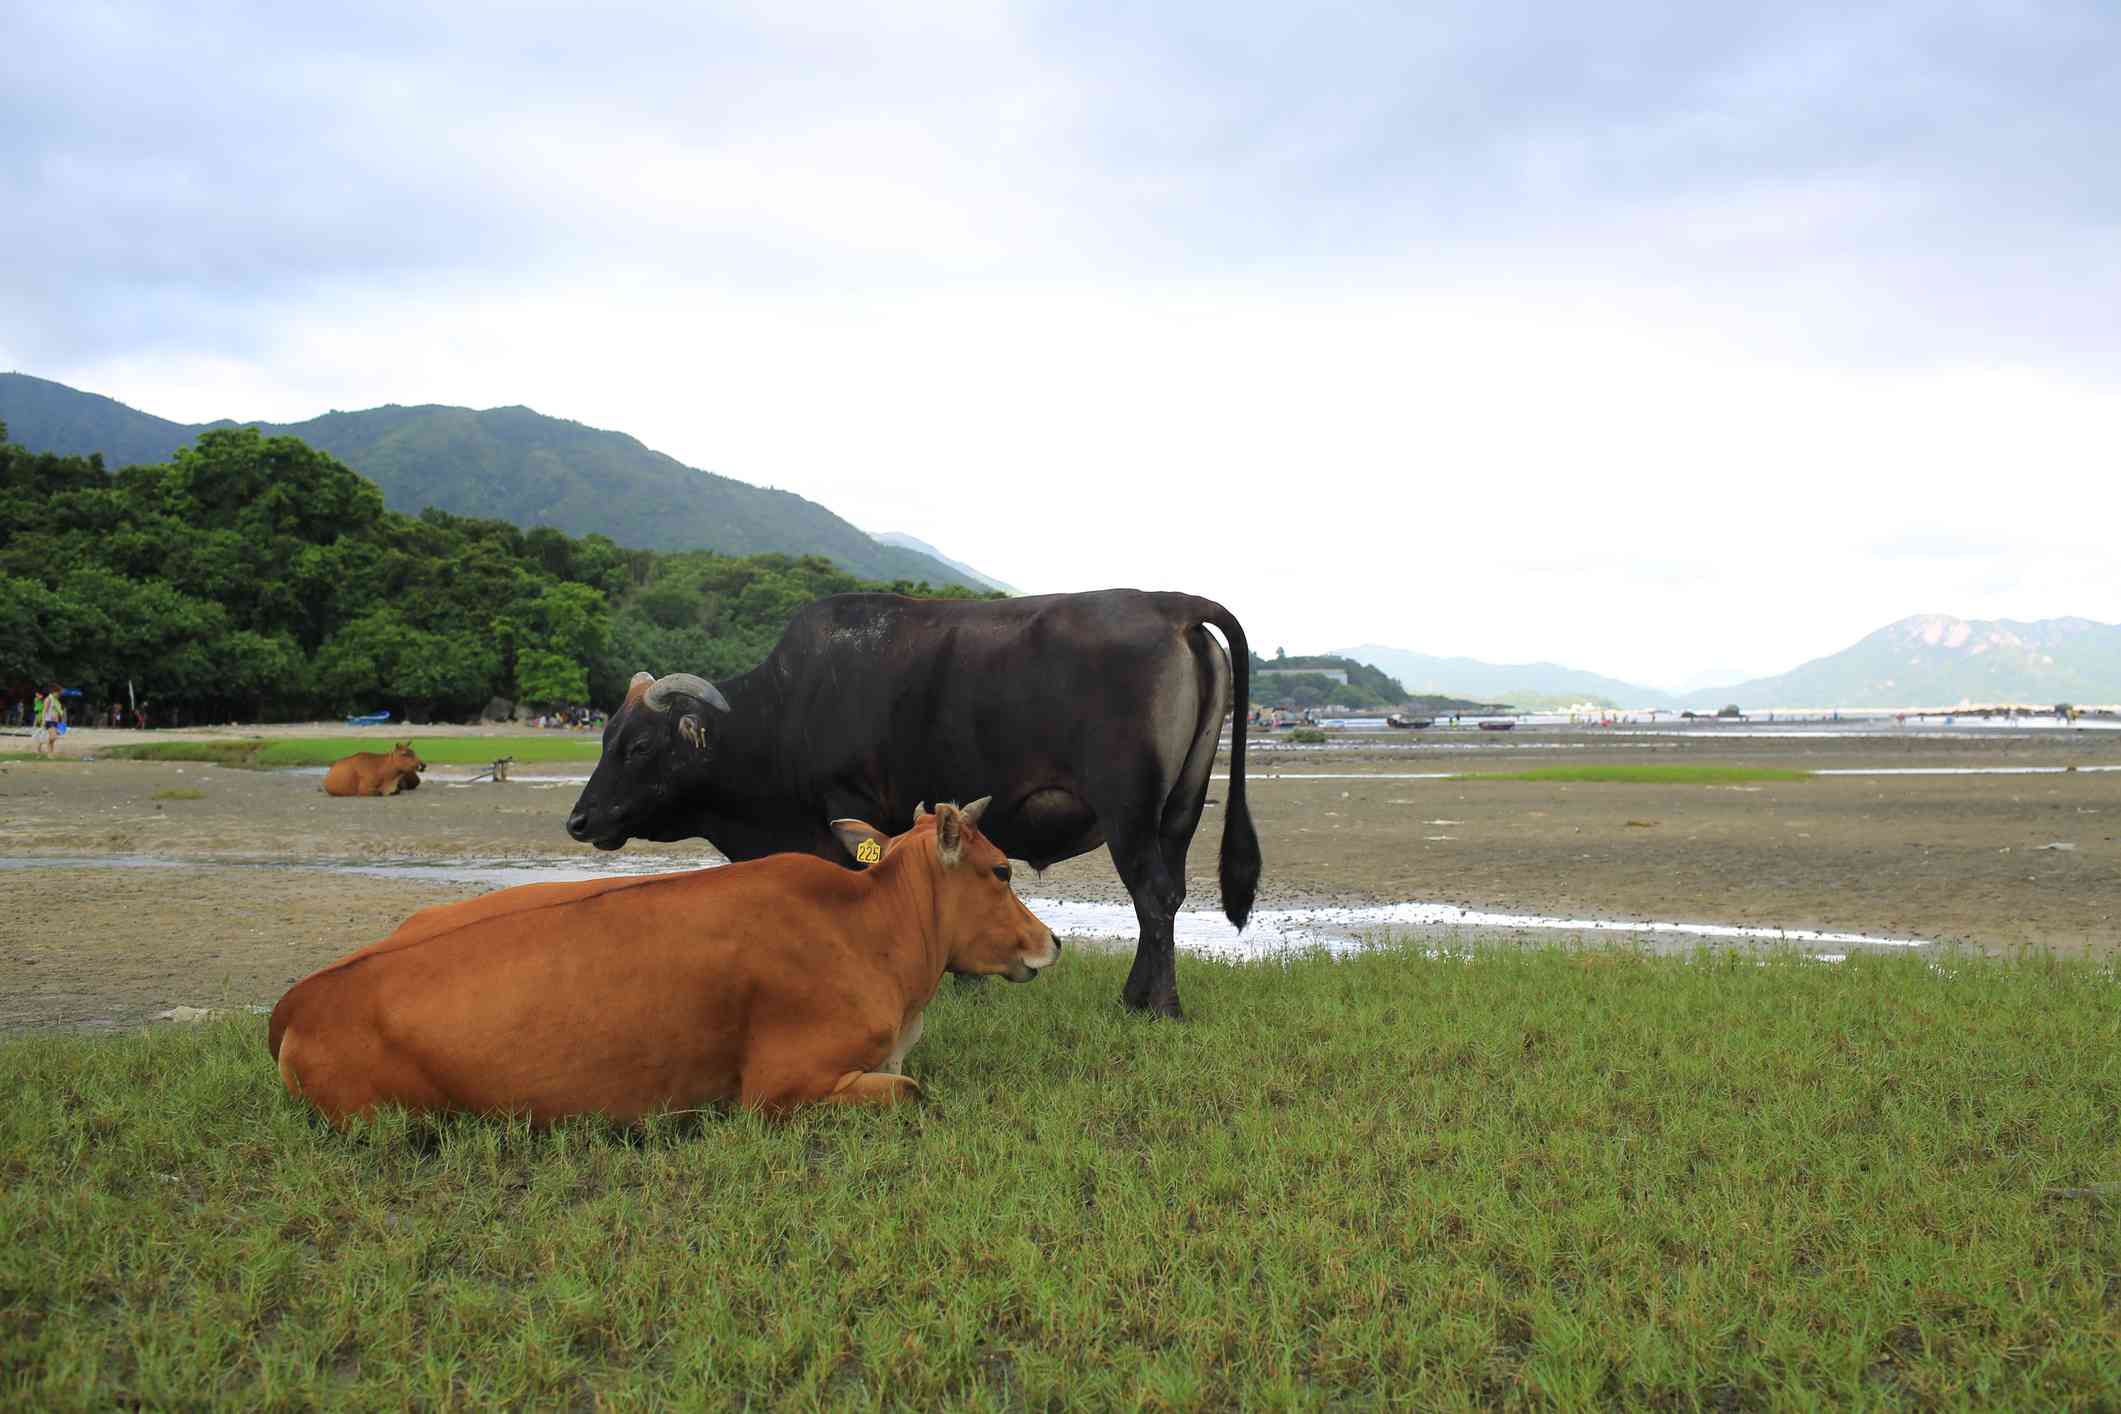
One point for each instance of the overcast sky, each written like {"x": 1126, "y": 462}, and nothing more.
{"x": 1678, "y": 341}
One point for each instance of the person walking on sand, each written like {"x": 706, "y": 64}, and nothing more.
{"x": 48, "y": 719}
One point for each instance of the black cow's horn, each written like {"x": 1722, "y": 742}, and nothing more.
{"x": 658, "y": 698}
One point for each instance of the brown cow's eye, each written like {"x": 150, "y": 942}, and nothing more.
{"x": 1001, "y": 872}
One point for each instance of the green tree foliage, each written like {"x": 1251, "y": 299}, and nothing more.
{"x": 255, "y": 577}
{"x": 1366, "y": 686}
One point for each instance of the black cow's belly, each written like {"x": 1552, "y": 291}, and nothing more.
{"x": 1046, "y": 826}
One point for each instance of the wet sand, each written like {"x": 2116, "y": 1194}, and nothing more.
{"x": 1962, "y": 859}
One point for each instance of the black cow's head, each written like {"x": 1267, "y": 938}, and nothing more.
{"x": 658, "y": 748}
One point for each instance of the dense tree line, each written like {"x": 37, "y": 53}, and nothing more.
{"x": 256, "y": 578}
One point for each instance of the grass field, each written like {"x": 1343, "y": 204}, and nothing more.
{"x": 1642, "y": 775}
{"x": 323, "y": 750}
{"x": 1547, "y": 1178}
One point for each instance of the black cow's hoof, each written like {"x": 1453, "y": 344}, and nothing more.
{"x": 1156, "y": 1008}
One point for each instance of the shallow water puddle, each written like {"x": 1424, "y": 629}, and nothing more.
{"x": 1337, "y": 929}
{"x": 1349, "y": 929}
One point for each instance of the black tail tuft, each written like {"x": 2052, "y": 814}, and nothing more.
{"x": 1237, "y": 870}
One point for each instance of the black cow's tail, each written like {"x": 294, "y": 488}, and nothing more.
{"x": 1238, "y": 868}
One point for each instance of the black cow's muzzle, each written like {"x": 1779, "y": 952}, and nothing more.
{"x": 578, "y": 827}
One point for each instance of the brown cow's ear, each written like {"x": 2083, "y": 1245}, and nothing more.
{"x": 949, "y": 833}
{"x": 864, "y": 843}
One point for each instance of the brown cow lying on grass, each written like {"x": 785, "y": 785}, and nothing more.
{"x": 375, "y": 772}
{"x": 773, "y": 983}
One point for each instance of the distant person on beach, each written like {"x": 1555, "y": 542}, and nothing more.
{"x": 51, "y": 718}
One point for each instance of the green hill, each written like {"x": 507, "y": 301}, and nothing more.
{"x": 509, "y": 464}
{"x": 50, "y": 417}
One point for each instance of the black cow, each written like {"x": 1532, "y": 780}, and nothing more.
{"x": 1090, "y": 718}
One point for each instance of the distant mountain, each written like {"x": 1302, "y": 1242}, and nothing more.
{"x": 510, "y": 464}
{"x": 904, "y": 541}
{"x": 51, "y": 417}
{"x": 1522, "y": 683}
{"x": 1934, "y": 660}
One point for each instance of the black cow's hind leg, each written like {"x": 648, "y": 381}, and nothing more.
{"x": 1152, "y": 985}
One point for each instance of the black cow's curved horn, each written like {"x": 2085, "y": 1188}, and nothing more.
{"x": 659, "y": 695}
{"x": 977, "y": 808}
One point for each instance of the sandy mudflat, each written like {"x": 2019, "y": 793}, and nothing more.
{"x": 191, "y": 902}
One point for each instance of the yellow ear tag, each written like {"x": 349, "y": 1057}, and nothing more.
{"x": 868, "y": 852}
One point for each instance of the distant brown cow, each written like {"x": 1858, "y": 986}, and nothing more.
{"x": 779, "y": 982}
{"x": 375, "y": 772}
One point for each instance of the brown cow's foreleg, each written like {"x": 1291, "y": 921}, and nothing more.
{"x": 872, "y": 1087}
{"x": 792, "y": 1071}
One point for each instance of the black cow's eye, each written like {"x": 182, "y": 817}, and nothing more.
{"x": 1001, "y": 872}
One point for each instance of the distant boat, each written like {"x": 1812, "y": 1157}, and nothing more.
{"x": 1413, "y": 723}
{"x": 372, "y": 719}
{"x": 1497, "y": 726}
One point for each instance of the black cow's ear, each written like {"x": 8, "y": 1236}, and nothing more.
{"x": 864, "y": 843}
{"x": 693, "y": 730}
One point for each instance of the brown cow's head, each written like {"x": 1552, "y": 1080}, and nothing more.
{"x": 402, "y": 755}
{"x": 658, "y": 745}
{"x": 984, "y": 927}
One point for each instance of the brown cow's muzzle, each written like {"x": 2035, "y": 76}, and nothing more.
{"x": 1026, "y": 970}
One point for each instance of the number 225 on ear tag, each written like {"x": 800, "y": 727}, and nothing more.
{"x": 868, "y": 852}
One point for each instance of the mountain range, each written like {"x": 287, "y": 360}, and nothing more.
{"x": 509, "y": 464}
{"x": 1925, "y": 660}
{"x": 1524, "y": 684}
{"x": 906, "y": 542}
{"x": 1935, "y": 660}
{"x": 521, "y": 466}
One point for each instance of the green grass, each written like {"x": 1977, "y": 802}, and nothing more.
{"x": 1547, "y": 1178}
{"x": 322, "y": 751}
{"x": 179, "y": 793}
{"x": 215, "y": 753}
{"x": 438, "y": 750}
{"x": 12, "y": 756}
{"x": 1641, "y": 775}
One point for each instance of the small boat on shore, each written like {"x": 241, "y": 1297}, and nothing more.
{"x": 1497, "y": 726}
{"x": 1410, "y": 723}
